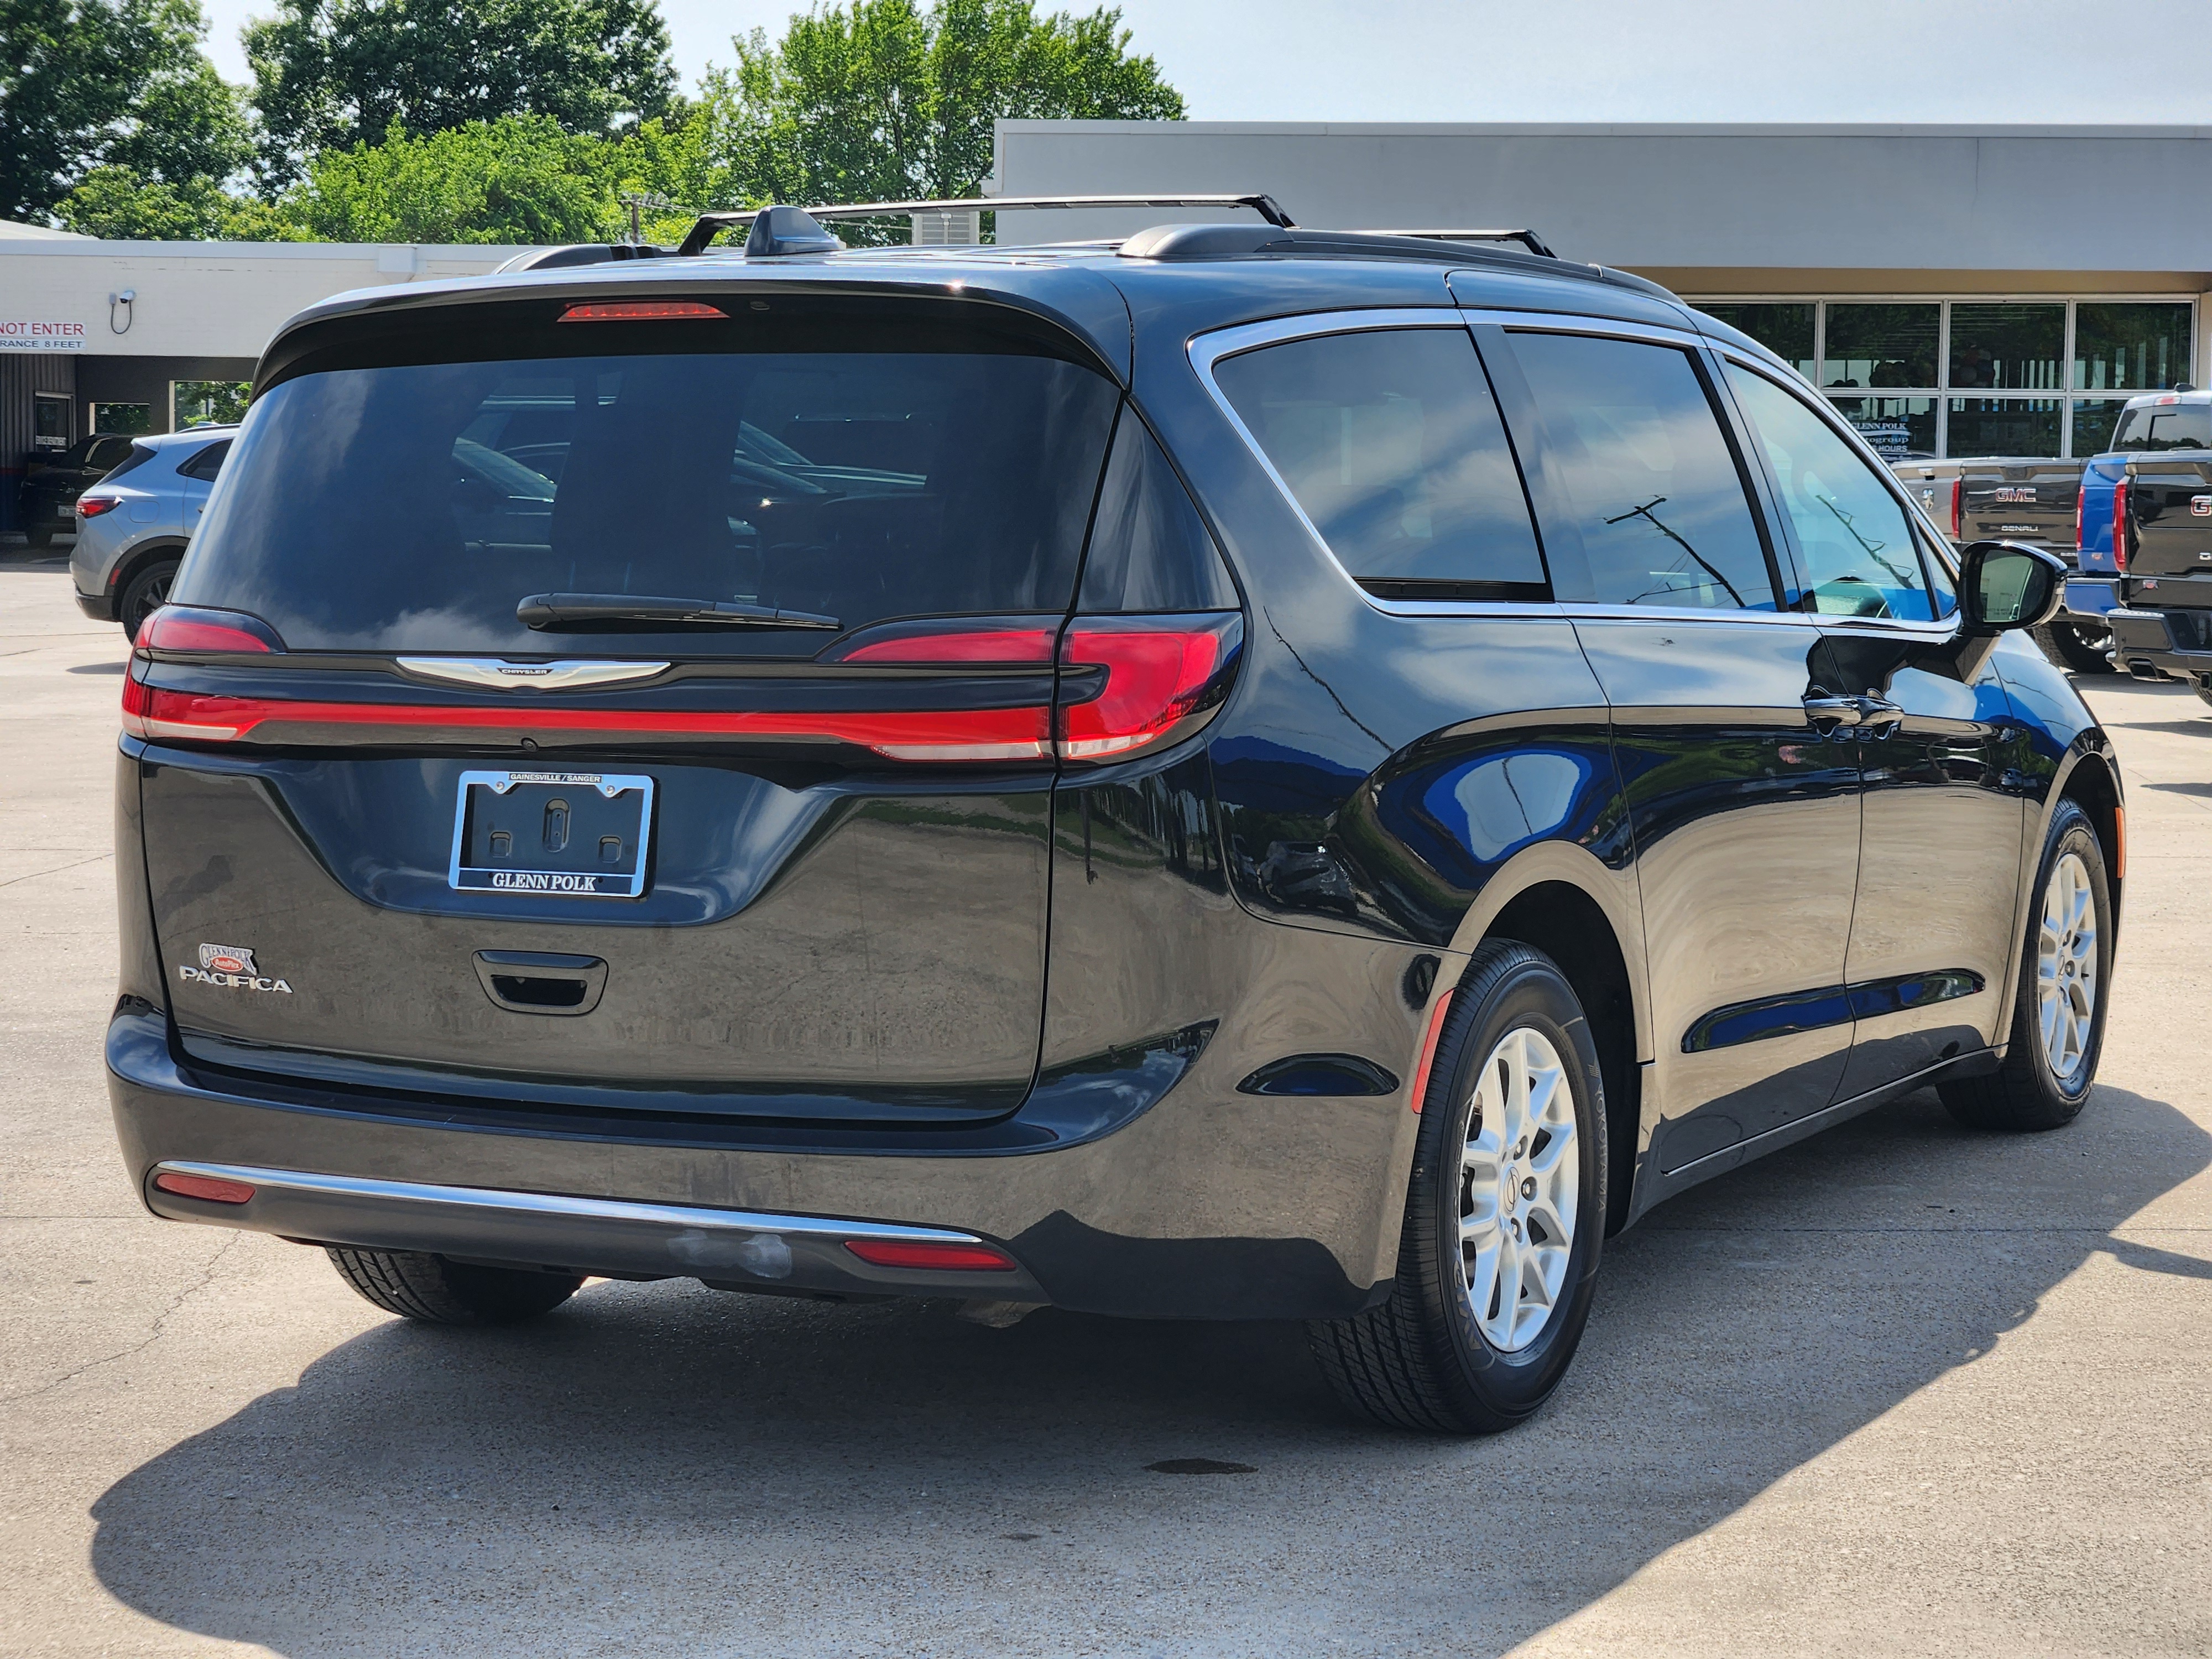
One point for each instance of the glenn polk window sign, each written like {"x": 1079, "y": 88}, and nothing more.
{"x": 33, "y": 334}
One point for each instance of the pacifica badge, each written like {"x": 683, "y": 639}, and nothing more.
{"x": 232, "y": 967}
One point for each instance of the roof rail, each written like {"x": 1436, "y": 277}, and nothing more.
{"x": 711, "y": 225}
{"x": 1528, "y": 238}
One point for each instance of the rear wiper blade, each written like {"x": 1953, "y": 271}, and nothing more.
{"x": 585, "y": 610}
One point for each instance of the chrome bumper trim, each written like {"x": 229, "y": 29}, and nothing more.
{"x": 556, "y": 1204}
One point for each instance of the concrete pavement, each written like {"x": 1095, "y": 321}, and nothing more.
{"x": 1901, "y": 1388}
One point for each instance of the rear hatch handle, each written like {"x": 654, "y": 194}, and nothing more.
{"x": 542, "y": 981}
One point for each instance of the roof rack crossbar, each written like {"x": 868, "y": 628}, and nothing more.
{"x": 1528, "y": 238}
{"x": 711, "y": 225}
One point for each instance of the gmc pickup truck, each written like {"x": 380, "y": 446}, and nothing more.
{"x": 2023, "y": 498}
{"x": 2161, "y": 529}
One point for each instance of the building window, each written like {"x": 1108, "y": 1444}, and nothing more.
{"x": 1973, "y": 376}
{"x": 128, "y": 419}
{"x": 50, "y": 420}
{"x": 205, "y": 403}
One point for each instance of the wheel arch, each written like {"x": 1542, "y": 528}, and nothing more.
{"x": 2093, "y": 783}
{"x": 1558, "y": 898}
{"x": 135, "y": 560}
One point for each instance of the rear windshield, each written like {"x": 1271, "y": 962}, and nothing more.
{"x": 2174, "y": 425}
{"x": 411, "y": 508}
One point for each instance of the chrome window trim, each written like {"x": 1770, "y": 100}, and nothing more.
{"x": 1915, "y": 515}
{"x": 561, "y": 1204}
{"x": 1207, "y": 349}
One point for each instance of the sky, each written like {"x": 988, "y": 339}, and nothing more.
{"x": 1981, "y": 61}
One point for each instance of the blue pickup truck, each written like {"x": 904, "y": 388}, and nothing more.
{"x": 2147, "y": 507}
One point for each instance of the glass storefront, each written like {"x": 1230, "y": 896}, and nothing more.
{"x": 2023, "y": 362}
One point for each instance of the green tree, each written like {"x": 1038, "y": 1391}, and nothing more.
{"x": 519, "y": 179}
{"x": 890, "y": 99}
{"x": 86, "y": 84}
{"x": 335, "y": 74}
{"x": 121, "y": 202}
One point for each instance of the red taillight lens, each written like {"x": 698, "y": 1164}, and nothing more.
{"x": 628, "y": 310}
{"x": 1958, "y": 507}
{"x": 945, "y": 1258}
{"x": 91, "y": 507}
{"x": 2120, "y": 526}
{"x": 930, "y": 645}
{"x": 188, "y": 627}
{"x": 1164, "y": 677}
{"x": 2080, "y": 501}
{"x": 209, "y": 1188}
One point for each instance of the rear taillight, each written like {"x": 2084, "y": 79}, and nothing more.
{"x": 2120, "y": 526}
{"x": 1958, "y": 507}
{"x": 1164, "y": 677}
{"x": 933, "y": 644}
{"x": 91, "y": 507}
{"x": 189, "y": 628}
{"x": 2080, "y": 499}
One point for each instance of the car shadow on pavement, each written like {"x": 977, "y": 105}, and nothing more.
{"x": 667, "y": 1469}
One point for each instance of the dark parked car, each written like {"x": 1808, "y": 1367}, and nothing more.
{"x": 52, "y": 482}
{"x": 1244, "y": 773}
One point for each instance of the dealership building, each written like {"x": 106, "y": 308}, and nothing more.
{"x": 1955, "y": 291}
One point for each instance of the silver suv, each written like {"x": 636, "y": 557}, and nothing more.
{"x": 132, "y": 525}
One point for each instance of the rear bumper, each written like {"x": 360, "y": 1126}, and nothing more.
{"x": 101, "y": 607}
{"x": 1212, "y": 1205}
{"x": 2145, "y": 644}
{"x": 2089, "y": 597}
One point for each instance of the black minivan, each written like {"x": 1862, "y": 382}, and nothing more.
{"x": 1239, "y": 773}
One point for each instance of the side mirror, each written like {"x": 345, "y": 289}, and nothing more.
{"x": 2009, "y": 585}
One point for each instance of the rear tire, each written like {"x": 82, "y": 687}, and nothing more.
{"x": 144, "y": 591}
{"x": 2078, "y": 646}
{"x": 429, "y": 1288}
{"x": 2058, "y": 1011}
{"x": 39, "y": 534}
{"x": 1448, "y": 1352}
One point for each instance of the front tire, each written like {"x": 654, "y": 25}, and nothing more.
{"x": 1504, "y": 1214}
{"x": 433, "y": 1291}
{"x": 2058, "y": 1011}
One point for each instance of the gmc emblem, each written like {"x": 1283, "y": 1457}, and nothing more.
{"x": 2012, "y": 494}
{"x": 2201, "y": 506}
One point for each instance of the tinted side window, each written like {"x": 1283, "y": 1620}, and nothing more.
{"x": 1392, "y": 443}
{"x": 207, "y": 462}
{"x": 1149, "y": 550}
{"x": 1646, "y": 478}
{"x": 2154, "y": 427}
{"x": 1852, "y": 534}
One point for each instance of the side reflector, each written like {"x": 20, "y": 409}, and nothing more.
{"x": 1164, "y": 679}
{"x": 1428, "y": 1048}
{"x": 629, "y": 311}
{"x": 207, "y": 1188}
{"x": 2119, "y": 843}
{"x": 945, "y": 1258}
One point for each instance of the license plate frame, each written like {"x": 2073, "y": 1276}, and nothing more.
{"x": 575, "y": 869}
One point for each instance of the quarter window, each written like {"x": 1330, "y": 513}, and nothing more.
{"x": 1853, "y": 537}
{"x": 1391, "y": 442}
{"x": 1641, "y": 475}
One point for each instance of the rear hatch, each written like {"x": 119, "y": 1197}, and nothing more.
{"x": 2021, "y": 501}
{"x": 634, "y": 706}
{"x": 2168, "y": 505}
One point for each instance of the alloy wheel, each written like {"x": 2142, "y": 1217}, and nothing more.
{"x": 1520, "y": 1187}
{"x": 2066, "y": 966}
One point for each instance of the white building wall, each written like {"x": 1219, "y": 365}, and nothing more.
{"x": 203, "y": 298}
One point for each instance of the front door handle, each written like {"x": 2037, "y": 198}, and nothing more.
{"x": 1878, "y": 714}
{"x": 1830, "y": 715}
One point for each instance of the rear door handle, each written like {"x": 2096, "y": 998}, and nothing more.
{"x": 1832, "y": 714}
